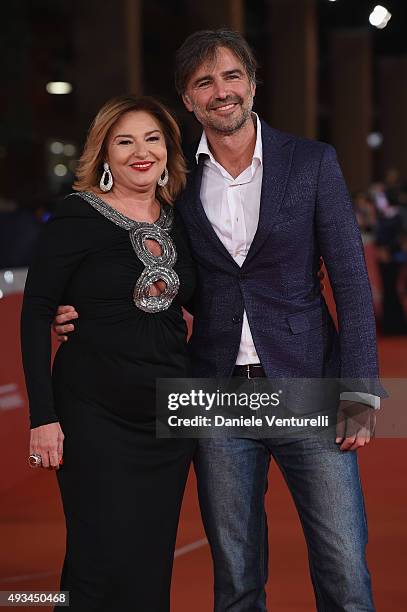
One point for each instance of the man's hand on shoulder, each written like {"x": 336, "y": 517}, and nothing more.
{"x": 61, "y": 324}
{"x": 355, "y": 426}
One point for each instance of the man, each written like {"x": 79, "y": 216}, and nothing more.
{"x": 260, "y": 208}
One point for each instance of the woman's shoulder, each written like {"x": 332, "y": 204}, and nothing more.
{"x": 74, "y": 205}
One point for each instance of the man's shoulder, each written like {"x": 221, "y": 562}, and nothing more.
{"x": 303, "y": 145}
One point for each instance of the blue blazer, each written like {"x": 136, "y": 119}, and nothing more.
{"x": 305, "y": 213}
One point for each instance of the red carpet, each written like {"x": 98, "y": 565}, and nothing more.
{"x": 32, "y": 530}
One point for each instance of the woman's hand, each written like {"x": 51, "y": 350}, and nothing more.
{"x": 47, "y": 441}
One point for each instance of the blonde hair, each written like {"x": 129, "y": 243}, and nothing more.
{"x": 90, "y": 165}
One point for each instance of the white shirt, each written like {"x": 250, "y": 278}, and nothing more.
{"x": 232, "y": 206}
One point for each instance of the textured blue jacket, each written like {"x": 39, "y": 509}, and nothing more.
{"x": 305, "y": 213}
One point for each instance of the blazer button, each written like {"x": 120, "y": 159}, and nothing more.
{"x": 236, "y": 319}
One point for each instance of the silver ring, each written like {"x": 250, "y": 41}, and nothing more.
{"x": 34, "y": 460}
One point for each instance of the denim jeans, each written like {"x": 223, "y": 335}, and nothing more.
{"x": 324, "y": 483}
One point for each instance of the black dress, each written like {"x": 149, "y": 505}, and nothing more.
{"x": 121, "y": 487}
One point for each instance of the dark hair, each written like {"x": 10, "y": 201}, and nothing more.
{"x": 202, "y": 46}
{"x": 90, "y": 164}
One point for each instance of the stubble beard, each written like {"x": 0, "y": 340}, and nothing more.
{"x": 226, "y": 125}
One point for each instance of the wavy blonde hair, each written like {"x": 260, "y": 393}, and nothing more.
{"x": 90, "y": 165}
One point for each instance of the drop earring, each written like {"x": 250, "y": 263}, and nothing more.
{"x": 163, "y": 180}
{"x": 104, "y": 184}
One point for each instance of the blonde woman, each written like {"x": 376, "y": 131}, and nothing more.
{"x": 116, "y": 250}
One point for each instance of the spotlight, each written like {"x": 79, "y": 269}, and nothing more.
{"x": 69, "y": 150}
{"x": 379, "y": 17}
{"x": 8, "y": 277}
{"x": 375, "y": 140}
{"x": 58, "y": 87}
{"x": 60, "y": 170}
{"x": 56, "y": 147}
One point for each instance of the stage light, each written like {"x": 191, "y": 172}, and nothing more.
{"x": 375, "y": 140}
{"x": 8, "y": 277}
{"x": 58, "y": 87}
{"x": 60, "y": 170}
{"x": 379, "y": 17}
{"x": 69, "y": 150}
{"x": 56, "y": 147}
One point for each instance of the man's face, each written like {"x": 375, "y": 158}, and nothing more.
{"x": 220, "y": 93}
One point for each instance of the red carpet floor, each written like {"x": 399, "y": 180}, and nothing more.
{"x": 32, "y": 529}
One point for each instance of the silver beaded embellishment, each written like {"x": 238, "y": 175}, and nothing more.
{"x": 157, "y": 267}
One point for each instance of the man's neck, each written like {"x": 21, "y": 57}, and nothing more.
{"x": 234, "y": 152}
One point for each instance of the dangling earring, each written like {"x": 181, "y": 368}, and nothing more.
{"x": 106, "y": 173}
{"x": 163, "y": 180}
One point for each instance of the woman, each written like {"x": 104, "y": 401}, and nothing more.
{"x": 114, "y": 249}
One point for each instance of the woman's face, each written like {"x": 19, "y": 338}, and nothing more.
{"x": 136, "y": 152}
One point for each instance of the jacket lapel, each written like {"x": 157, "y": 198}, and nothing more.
{"x": 277, "y": 158}
{"x": 205, "y": 224}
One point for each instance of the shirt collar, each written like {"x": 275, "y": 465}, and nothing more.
{"x": 203, "y": 147}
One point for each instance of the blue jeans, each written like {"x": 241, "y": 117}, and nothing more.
{"x": 324, "y": 483}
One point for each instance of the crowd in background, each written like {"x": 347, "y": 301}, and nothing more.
{"x": 381, "y": 212}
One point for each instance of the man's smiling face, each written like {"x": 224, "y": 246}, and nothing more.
{"x": 220, "y": 93}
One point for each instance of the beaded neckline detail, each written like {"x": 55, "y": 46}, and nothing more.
{"x": 164, "y": 221}
{"x": 157, "y": 267}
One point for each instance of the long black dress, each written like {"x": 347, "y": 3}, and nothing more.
{"x": 121, "y": 487}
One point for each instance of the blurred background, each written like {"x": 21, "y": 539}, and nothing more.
{"x": 335, "y": 70}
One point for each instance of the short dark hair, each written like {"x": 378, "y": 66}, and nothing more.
{"x": 202, "y": 46}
